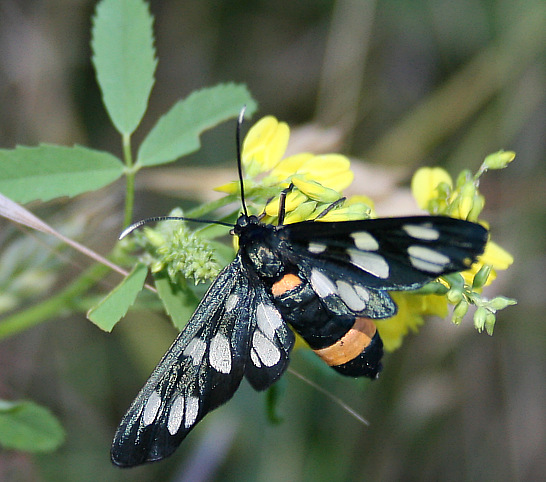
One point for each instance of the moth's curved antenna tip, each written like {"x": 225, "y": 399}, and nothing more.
{"x": 130, "y": 229}
{"x": 242, "y": 114}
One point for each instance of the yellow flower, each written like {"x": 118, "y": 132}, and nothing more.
{"x": 264, "y": 145}
{"x": 317, "y": 181}
{"x": 425, "y": 184}
{"x": 494, "y": 256}
{"x": 411, "y": 309}
{"x": 332, "y": 171}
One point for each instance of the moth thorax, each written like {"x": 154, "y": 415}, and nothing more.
{"x": 265, "y": 261}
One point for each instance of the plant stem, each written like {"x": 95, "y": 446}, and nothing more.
{"x": 130, "y": 180}
{"x": 52, "y": 306}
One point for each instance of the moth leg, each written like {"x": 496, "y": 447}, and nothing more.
{"x": 341, "y": 200}
{"x": 282, "y": 203}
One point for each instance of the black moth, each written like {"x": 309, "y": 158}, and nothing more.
{"x": 328, "y": 280}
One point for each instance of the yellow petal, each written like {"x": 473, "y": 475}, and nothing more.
{"x": 424, "y": 184}
{"x": 289, "y": 166}
{"x": 229, "y": 188}
{"x": 330, "y": 170}
{"x": 264, "y": 145}
{"x": 315, "y": 191}
{"x": 496, "y": 256}
{"x": 235, "y": 186}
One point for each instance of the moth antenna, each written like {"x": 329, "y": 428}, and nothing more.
{"x": 240, "y": 121}
{"x": 332, "y": 397}
{"x": 154, "y": 219}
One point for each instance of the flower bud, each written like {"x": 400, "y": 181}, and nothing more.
{"x": 479, "y": 318}
{"x": 499, "y": 160}
{"x": 459, "y": 312}
{"x": 481, "y": 277}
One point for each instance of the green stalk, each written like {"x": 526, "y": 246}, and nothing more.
{"x": 51, "y": 307}
{"x": 130, "y": 180}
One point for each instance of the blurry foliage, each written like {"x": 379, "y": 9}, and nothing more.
{"x": 400, "y": 83}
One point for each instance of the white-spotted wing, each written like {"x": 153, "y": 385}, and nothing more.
{"x": 355, "y": 262}
{"x": 234, "y": 331}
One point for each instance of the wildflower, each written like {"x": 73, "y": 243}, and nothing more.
{"x": 182, "y": 254}
{"x": 317, "y": 180}
{"x": 433, "y": 189}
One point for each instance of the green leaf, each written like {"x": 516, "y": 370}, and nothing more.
{"x": 30, "y": 427}
{"x": 124, "y": 59}
{"x": 179, "y": 304}
{"x": 48, "y": 171}
{"x": 114, "y": 307}
{"x": 177, "y": 132}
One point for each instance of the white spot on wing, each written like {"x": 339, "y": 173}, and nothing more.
{"x": 363, "y": 293}
{"x": 231, "y": 302}
{"x": 422, "y": 231}
{"x": 316, "y": 248}
{"x": 427, "y": 259}
{"x": 373, "y": 263}
{"x": 349, "y": 296}
{"x": 192, "y": 410}
{"x": 365, "y": 241}
{"x": 151, "y": 408}
{"x": 254, "y": 358}
{"x": 266, "y": 350}
{"x": 176, "y": 414}
{"x": 220, "y": 353}
{"x": 321, "y": 284}
{"x": 269, "y": 319}
{"x": 195, "y": 350}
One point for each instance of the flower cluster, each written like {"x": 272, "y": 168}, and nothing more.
{"x": 171, "y": 247}
{"x": 435, "y": 191}
{"x": 317, "y": 180}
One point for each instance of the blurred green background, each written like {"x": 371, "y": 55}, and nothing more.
{"x": 393, "y": 84}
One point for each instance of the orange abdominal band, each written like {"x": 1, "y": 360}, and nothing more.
{"x": 350, "y": 345}
{"x": 286, "y": 283}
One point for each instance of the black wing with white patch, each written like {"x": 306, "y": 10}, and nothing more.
{"x": 343, "y": 272}
{"x": 270, "y": 343}
{"x": 389, "y": 253}
{"x": 226, "y": 338}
